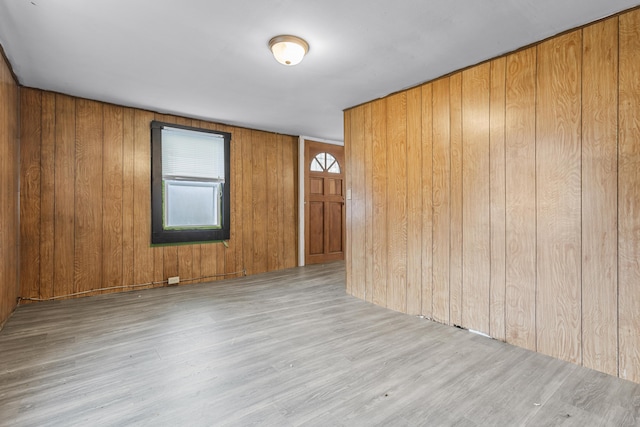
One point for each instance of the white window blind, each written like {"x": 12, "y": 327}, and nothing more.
{"x": 191, "y": 154}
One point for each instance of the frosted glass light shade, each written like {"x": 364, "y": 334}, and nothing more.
{"x": 288, "y": 50}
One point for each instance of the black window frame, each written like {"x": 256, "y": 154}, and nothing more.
{"x": 160, "y": 235}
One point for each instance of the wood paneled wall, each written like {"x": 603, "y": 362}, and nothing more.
{"x": 85, "y": 200}
{"x": 505, "y": 198}
{"x": 9, "y": 172}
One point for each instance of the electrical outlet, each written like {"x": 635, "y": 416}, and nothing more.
{"x": 173, "y": 280}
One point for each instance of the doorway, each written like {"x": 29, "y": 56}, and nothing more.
{"x": 324, "y": 207}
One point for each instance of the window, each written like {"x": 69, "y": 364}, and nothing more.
{"x": 325, "y": 162}
{"x": 189, "y": 184}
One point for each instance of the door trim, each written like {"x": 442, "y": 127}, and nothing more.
{"x": 301, "y": 168}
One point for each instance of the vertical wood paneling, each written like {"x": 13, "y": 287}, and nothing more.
{"x": 247, "y": 198}
{"x": 441, "y": 199}
{"x": 235, "y": 264}
{"x": 260, "y": 202}
{"x": 599, "y": 196}
{"x": 47, "y": 194}
{"x": 427, "y": 201}
{"x": 380, "y": 204}
{"x": 414, "y": 201}
{"x": 558, "y": 182}
{"x": 143, "y": 253}
{"x": 530, "y": 188}
{"x": 86, "y": 173}
{"x": 113, "y": 194}
{"x": 128, "y": 156}
{"x": 542, "y": 118}
{"x": 456, "y": 205}
{"x": 629, "y": 197}
{"x": 497, "y": 194}
{"x": 220, "y": 260}
{"x": 208, "y": 251}
{"x": 208, "y": 260}
{"x": 158, "y": 255}
{"x": 9, "y": 190}
{"x": 476, "y": 254}
{"x": 88, "y": 184}
{"x": 290, "y": 191}
{"x": 272, "y": 177}
{"x": 65, "y": 154}
{"x": 397, "y": 198}
{"x": 368, "y": 194}
{"x": 30, "y": 138}
{"x": 280, "y": 218}
{"x": 357, "y": 217}
{"x": 348, "y": 202}
{"x": 521, "y": 199}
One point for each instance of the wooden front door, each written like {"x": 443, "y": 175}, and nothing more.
{"x": 324, "y": 202}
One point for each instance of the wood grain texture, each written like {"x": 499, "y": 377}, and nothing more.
{"x": 237, "y": 141}
{"x": 427, "y": 201}
{"x": 220, "y": 260}
{"x": 529, "y": 185}
{"x": 247, "y": 198}
{"x": 324, "y": 209}
{"x": 88, "y": 178}
{"x": 143, "y": 253}
{"x": 497, "y": 190}
{"x": 368, "y": 193}
{"x": 128, "y": 161}
{"x": 380, "y": 203}
{"x": 30, "y": 140}
{"x": 476, "y": 221}
{"x": 88, "y": 195}
{"x": 348, "y": 253}
{"x": 47, "y": 194}
{"x": 599, "y": 196}
{"x": 279, "y": 262}
{"x": 629, "y": 197}
{"x": 520, "y": 128}
{"x": 414, "y": 201}
{"x": 455, "y": 201}
{"x": 284, "y": 348}
{"x": 290, "y": 194}
{"x": 397, "y": 199}
{"x": 558, "y": 194}
{"x": 441, "y": 200}
{"x": 357, "y": 238}
{"x": 272, "y": 220}
{"x": 9, "y": 190}
{"x": 260, "y": 202}
{"x": 210, "y": 261}
{"x": 113, "y": 196}
{"x": 65, "y": 153}
{"x": 426, "y": 292}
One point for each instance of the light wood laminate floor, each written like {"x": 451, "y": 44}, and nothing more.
{"x": 280, "y": 349}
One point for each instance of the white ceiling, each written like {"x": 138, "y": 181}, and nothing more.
{"x": 209, "y": 59}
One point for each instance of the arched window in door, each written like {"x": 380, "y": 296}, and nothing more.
{"x": 325, "y": 162}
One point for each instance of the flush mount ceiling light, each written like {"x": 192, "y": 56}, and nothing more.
{"x": 288, "y": 50}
